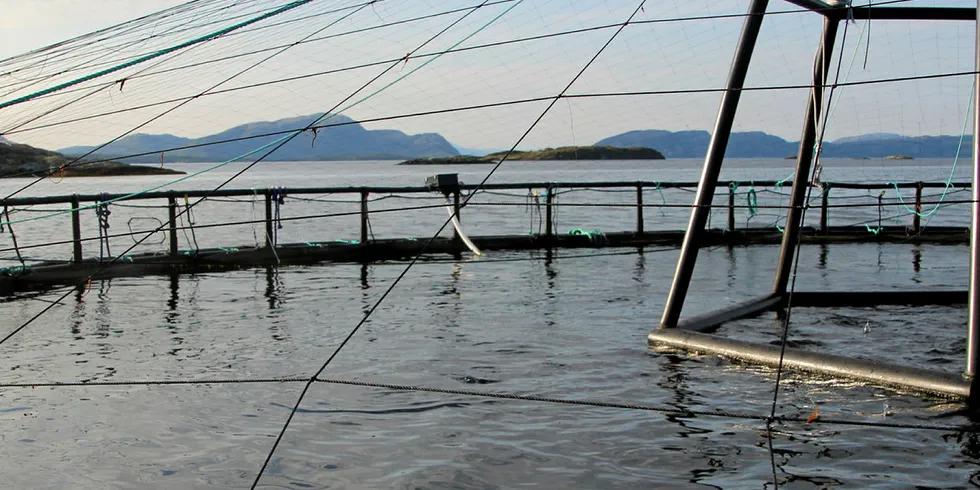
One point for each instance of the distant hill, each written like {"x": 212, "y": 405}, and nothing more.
{"x": 694, "y": 144}
{"x": 347, "y": 142}
{"x": 562, "y": 153}
{"x": 27, "y": 161}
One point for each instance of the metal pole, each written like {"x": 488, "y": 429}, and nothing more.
{"x": 172, "y": 219}
{"x": 639, "y": 209}
{"x": 76, "y": 230}
{"x": 801, "y": 181}
{"x": 269, "y": 231}
{"x": 549, "y": 196}
{"x": 712, "y": 164}
{"x": 973, "y": 335}
{"x": 916, "y": 219}
{"x": 824, "y": 207}
{"x": 364, "y": 217}
{"x": 731, "y": 208}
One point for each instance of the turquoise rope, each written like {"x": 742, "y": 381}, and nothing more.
{"x": 281, "y": 139}
{"x": 663, "y": 200}
{"x": 949, "y": 179}
{"x": 206, "y": 37}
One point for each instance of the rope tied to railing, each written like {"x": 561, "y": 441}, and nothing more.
{"x": 663, "y": 200}
{"x": 102, "y": 213}
{"x": 190, "y": 223}
{"x": 13, "y": 237}
{"x": 278, "y": 199}
{"x": 533, "y": 198}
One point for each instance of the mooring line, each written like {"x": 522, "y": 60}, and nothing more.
{"x": 664, "y": 409}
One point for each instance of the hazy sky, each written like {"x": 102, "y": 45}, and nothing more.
{"x": 663, "y": 55}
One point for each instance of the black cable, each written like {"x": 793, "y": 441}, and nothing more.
{"x": 404, "y": 272}
{"x": 665, "y": 409}
{"x": 799, "y": 233}
{"x": 575, "y": 31}
{"x": 79, "y": 161}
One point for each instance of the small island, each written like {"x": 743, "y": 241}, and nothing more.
{"x": 898, "y": 157}
{"x": 563, "y": 153}
{"x": 17, "y": 160}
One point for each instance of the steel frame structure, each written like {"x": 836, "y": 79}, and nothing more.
{"x": 694, "y": 334}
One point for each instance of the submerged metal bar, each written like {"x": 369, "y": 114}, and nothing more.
{"x": 922, "y": 380}
{"x": 801, "y": 181}
{"x": 973, "y": 335}
{"x": 712, "y": 163}
{"x": 711, "y": 321}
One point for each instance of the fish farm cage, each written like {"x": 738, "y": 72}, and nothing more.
{"x": 60, "y": 243}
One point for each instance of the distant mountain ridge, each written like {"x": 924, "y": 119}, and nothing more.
{"x": 349, "y": 141}
{"x": 755, "y": 144}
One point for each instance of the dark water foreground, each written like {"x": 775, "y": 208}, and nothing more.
{"x": 572, "y": 324}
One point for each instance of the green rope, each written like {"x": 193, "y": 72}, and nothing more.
{"x": 949, "y": 179}
{"x": 348, "y": 242}
{"x": 594, "y": 235}
{"x": 281, "y": 139}
{"x": 157, "y": 54}
{"x": 663, "y": 201}
{"x": 752, "y": 201}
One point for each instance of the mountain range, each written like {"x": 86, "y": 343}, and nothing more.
{"x": 348, "y": 140}
{"x": 755, "y": 144}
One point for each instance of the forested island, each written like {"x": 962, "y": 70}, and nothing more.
{"x": 562, "y": 153}
{"x": 17, "y": 160}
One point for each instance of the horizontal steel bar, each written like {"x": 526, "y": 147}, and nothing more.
{"x": 27, "y": 201}
{"x": 841, "y": 12}
{"x": 881, "y": 373}
{"x": 710, "y": 321}
{"x": 909, "y": 13}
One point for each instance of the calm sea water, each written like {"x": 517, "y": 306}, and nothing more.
{"x": 571, "y": 324}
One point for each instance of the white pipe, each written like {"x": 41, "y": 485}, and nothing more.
{"x": 459, "y": 228}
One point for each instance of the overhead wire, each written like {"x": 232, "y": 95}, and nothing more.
{"x": 408, "y": 267}
{"x": 353, "y": 10}
{"x": 156, "y": 151}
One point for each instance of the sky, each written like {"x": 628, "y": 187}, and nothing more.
{"x": 660, "y": 53}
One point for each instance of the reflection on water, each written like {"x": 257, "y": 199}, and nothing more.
{"x": 503, "y": 322}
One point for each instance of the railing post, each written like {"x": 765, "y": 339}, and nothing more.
{"x": 731, "y": 208}
{"x": 639, "y": 208}
{"x": 712, "y": 164}
{"x": 172, "y": 220}
{"x": 824, "y": 206}
{"x": 76, "y": 230}
{"x": 269, "y": 231}
{"x": 364, "y": 217}
{"x": 549, "y": 197}
{"x": 916, "y": 218}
